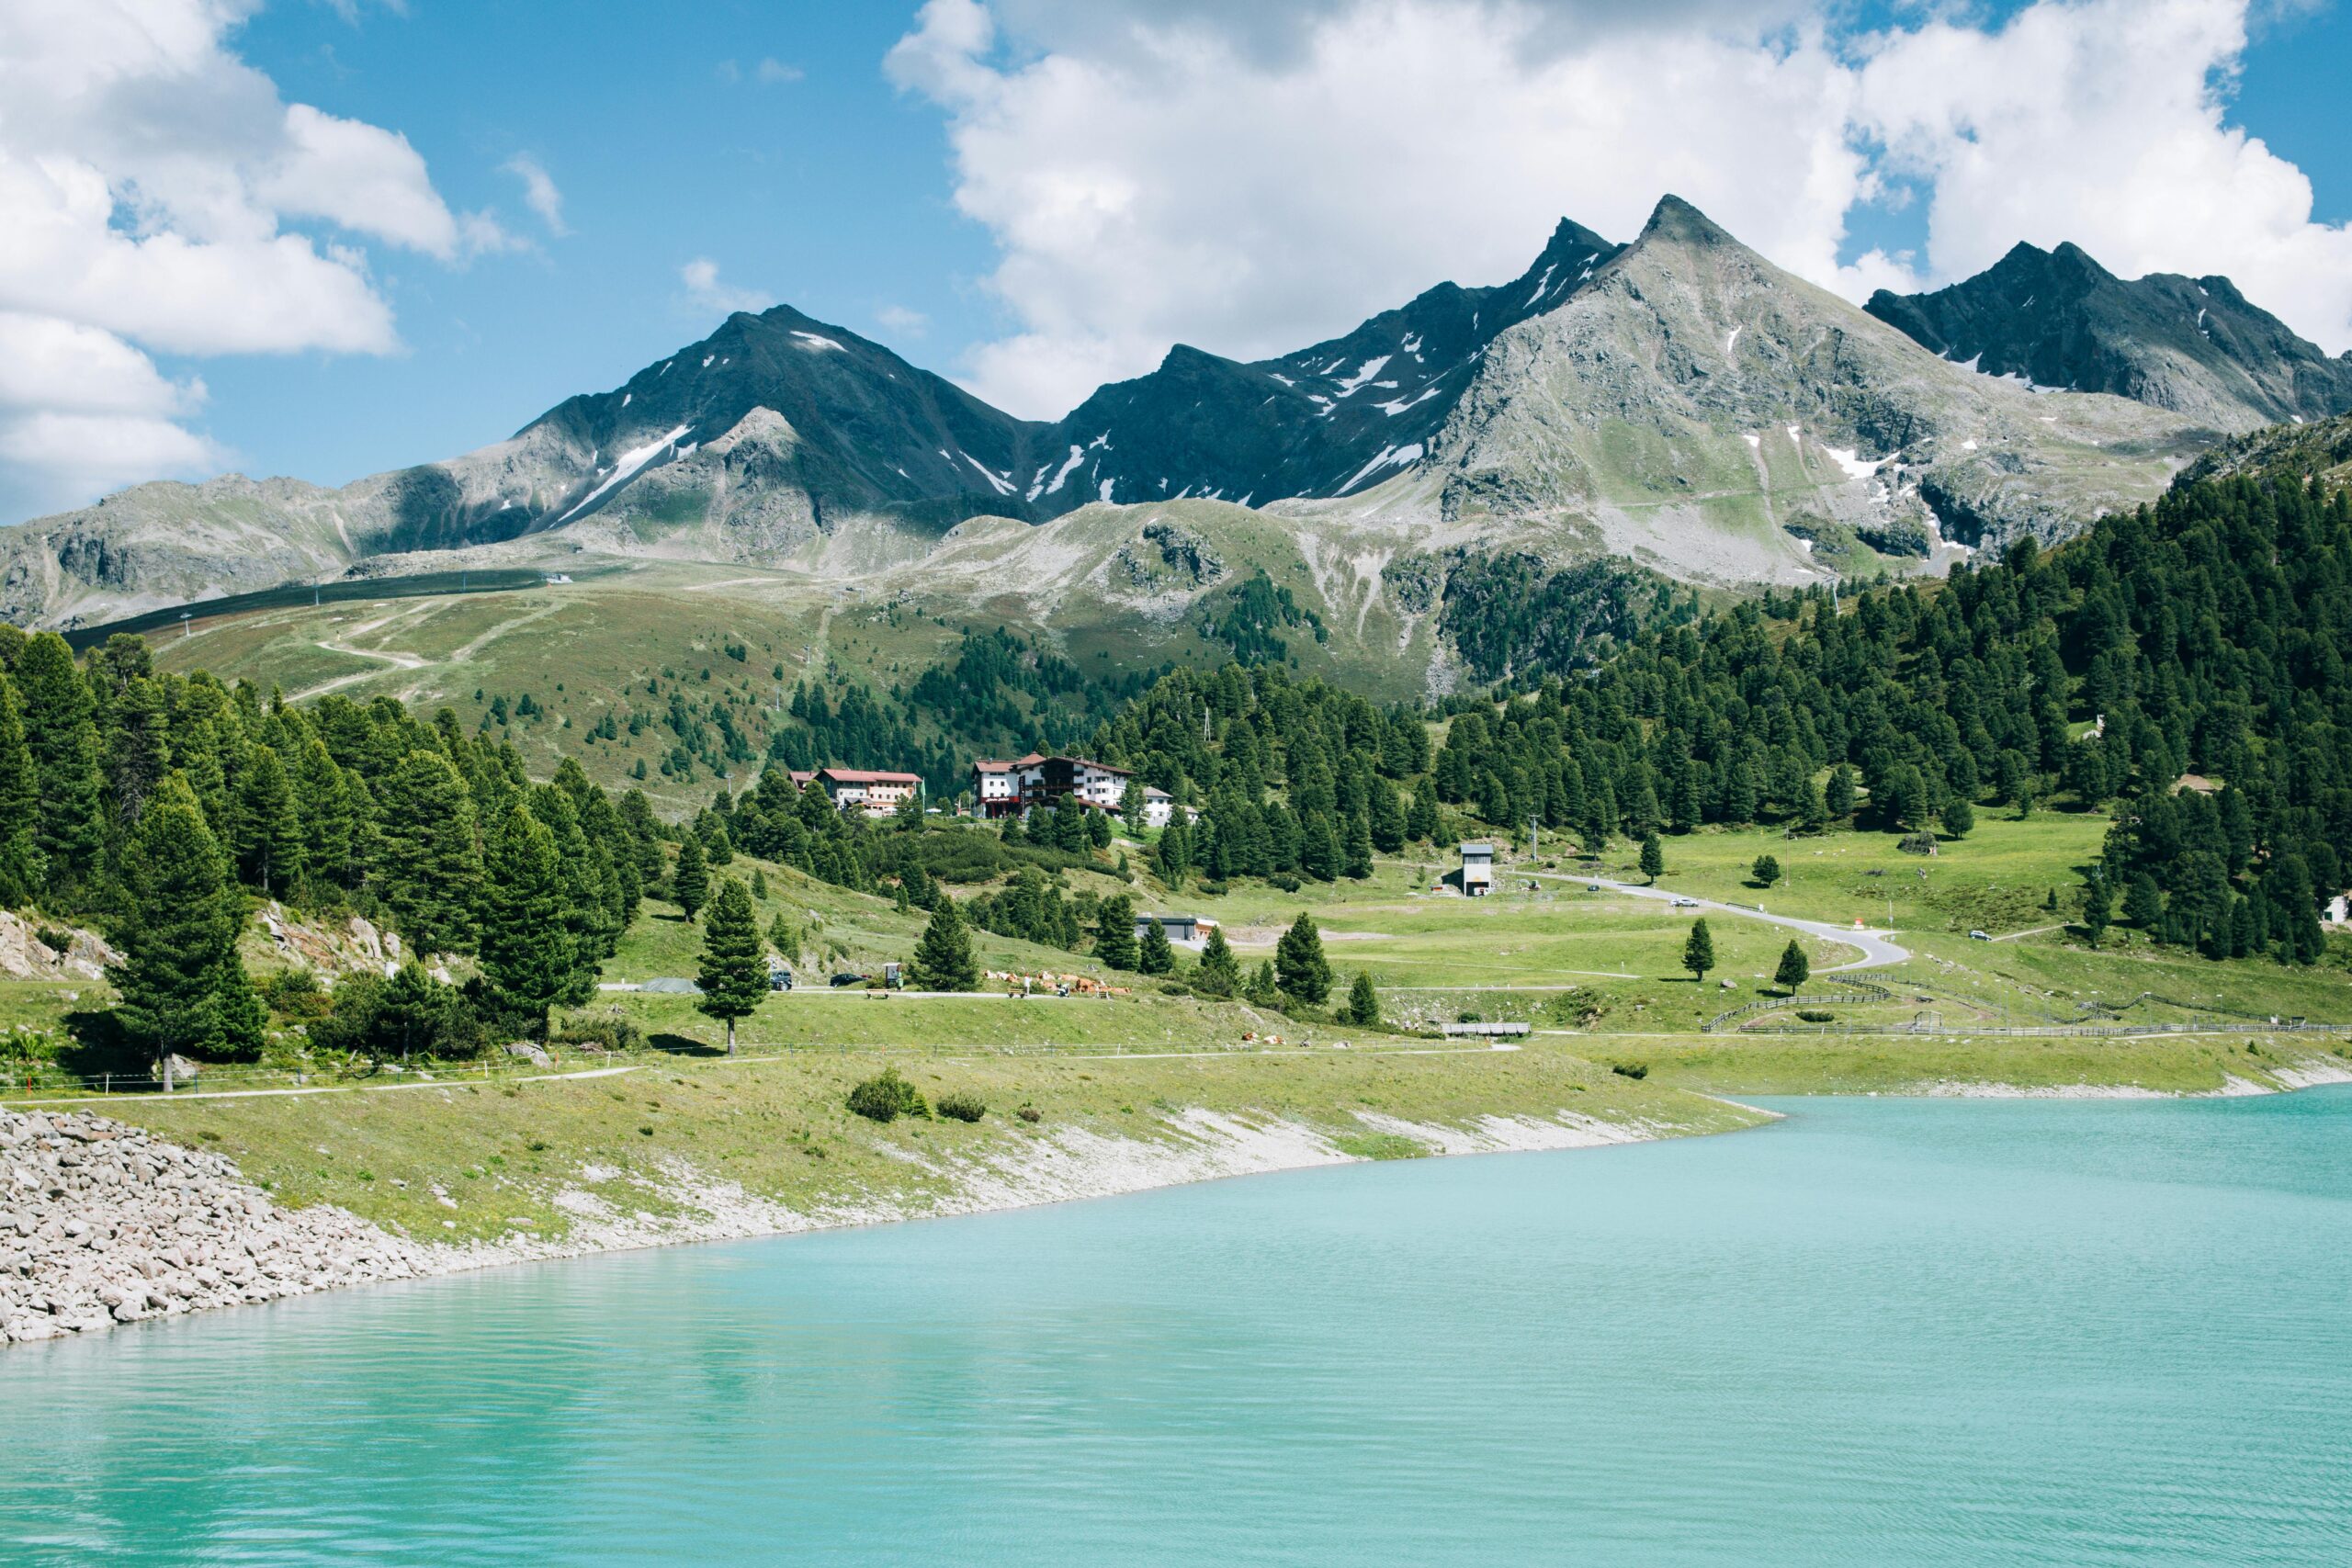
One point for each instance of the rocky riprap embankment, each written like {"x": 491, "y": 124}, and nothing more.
{"x": 101, "y": 1223}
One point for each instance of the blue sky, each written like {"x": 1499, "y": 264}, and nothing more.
{"x": 1034, "y": 195}
{"x": 829, "y": 190}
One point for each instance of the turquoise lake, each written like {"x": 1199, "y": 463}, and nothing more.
{"x": 1882, "y": 1332}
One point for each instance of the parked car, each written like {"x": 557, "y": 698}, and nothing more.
{"x": 1592, "y": 886}
{"x": 1686, "y": 903}
{"x": 848, "y": 977}
{"x": 1979, "y": 936}
{"x": 779, "y": 979}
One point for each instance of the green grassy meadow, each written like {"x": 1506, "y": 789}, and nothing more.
{"x": 1617, "y": 1031}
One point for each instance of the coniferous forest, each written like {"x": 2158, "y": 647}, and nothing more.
{"x": 2180, "y": 667}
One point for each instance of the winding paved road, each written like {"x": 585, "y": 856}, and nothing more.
{"x": 1877, "y": 951}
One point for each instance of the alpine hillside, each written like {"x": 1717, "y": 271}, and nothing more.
{"x": 2192, "y": 345}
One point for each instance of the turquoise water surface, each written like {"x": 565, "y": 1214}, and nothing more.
{"x": 1883, "y": 1332}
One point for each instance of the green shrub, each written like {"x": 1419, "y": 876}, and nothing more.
{"x": 1637, "y": 1070}
{"x": 886, "y": 1096}
{"x": 1030, "y": 1113}
{"x": 958, "y": 1106}
{"x": 1812, "y": 1016}
{"x": 606, "y": 1029}
{"x": 1285, "y": 881}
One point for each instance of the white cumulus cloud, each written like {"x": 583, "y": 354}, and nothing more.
{"x": 155, "y": 193}
{"x": 540, "y": 192}
{"x": 1248, "y": 178}
{"x": 704, "y": 292}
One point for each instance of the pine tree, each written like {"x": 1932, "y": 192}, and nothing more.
{"x": 527, "y": 952}
{"x": 1172, "y": 857}
{"x": 1767, "y": 870}
{"x": 1262, "y": 991}
{"x": 323, "y": 802}
{"x": 785, "y": 937}
{"x": 690, "y": 879}
{"x": 181, "y": 987}
{"x": 1653, "y": 857}
{"x": 1813, "y": 816}
{"x": 21, "y": 868}
{"x": 1387, "y": 816}
{"x": 62, "y": 735}
{"x": 760, "y": 883}
{"x": 1300, "y": 968}
{"x": 1133, "y": 807}
{"x": 429, "y": 868}
{"x": 1115, "y": 933}
{"x": 1318, "y": 850}
{"x": 943, "y": 960}
{"x": 267, "y": 830}
{"x": 1356, "y": 859}
{"x": 2097, "y": 904}
{"x": 1154, "y": 955}
{"x": 734, "y": 971}
{"x": 1795, "y": 968}
{"x": 1364, "y": 1003}
{"x": 1421, "y": 823}
{"x": 1959, "y": 816}
{"x": 1699, "y": 953}
{"x": 1219, "y": 974}
{"x": 1838, "y": 798}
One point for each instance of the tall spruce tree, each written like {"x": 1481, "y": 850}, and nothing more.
{"x": 1699, "y": 952}
{"x": 428, "y": 864}
{"x": 1795, "y": 968}
{"x": 943, "y": 960}
{"x": 21, "y": 869}
{"x": 734, "y": 974}
{"x": 527, "y": 952}
{"x": 266, "y": 830}
{"x": 1364, "y": 1003}
{"x": 1218, "y": 975}
{"x": 1355, "y": 856}
{"x": 62, "y": 732}
{"x": 181, "y": 987}
{"x": 1154, "y": 955}
{"x": 690, "y": 879}
{"x": 1301, "y": 971}
{"x": 1115, "y": 933}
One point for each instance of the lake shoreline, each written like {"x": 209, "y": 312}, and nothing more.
{"x": 180, "y": 1231}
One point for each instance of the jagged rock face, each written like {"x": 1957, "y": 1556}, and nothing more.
{"x": 2192, "y": 345}
{"x": 1323, "y": 421}
{"x": 1693, "y": 381}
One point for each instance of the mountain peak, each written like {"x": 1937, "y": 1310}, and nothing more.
{"x": 1676, "y": 221}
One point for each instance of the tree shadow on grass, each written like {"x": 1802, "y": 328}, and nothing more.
{"x": 681, "y": 1046}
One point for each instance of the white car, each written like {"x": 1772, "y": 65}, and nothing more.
{"x": 1686, "y": 903}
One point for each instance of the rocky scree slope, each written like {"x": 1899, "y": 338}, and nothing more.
{"x": 101, "y": 1223}
{"x": 2192, "y": 345}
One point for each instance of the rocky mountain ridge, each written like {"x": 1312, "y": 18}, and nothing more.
{"x": 1677, "y": 400}
{"x": 2057, "y": 319}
